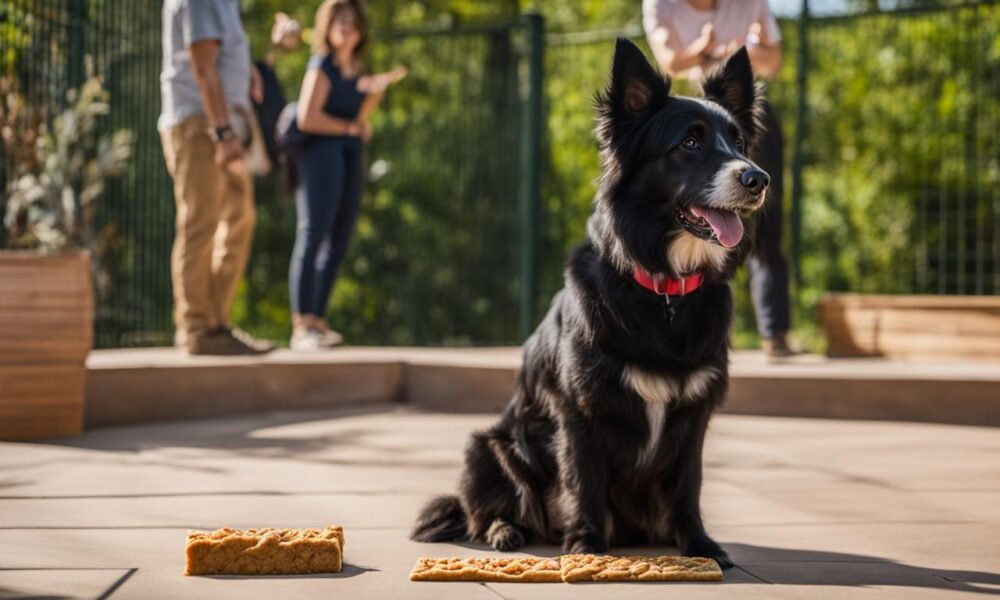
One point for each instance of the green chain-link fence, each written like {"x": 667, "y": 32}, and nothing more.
{"x": 482, "y": 167}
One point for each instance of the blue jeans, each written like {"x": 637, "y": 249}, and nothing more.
{"x": 768, "y": 268}
{"x": 327, "y": 201}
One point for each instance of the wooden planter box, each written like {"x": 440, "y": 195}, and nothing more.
{"x": 46, "y": 331}
{"x": 922, "y": 327}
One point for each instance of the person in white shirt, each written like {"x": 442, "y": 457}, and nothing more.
{"x": 688, "y": 38}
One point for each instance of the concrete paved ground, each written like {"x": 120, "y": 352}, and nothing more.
{"x": 807, "y": 508}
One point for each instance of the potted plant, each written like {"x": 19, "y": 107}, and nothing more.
{"x": 56, "y": 174}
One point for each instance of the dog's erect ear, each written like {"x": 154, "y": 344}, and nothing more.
{"x": 635, "y": 87}
{"x": 732, "y": 86}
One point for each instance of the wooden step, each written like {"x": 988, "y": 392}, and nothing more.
{"x": 912, "y": 327}
{"x": 134, "y": 386}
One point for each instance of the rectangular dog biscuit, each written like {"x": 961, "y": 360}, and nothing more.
{"x": 592, "y": 567}
{"x": 495, "y": 570}
{"x": 265, "y": 551}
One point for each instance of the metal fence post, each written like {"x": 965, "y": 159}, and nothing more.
{"x": 76, "y": 43}
{"x": 530, "y": 188}
{"x": 802, "y": 68}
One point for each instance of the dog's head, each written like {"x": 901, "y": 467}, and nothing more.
{"x": 677, "y": 180}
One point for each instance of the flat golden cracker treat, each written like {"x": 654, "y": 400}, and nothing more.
{"x": 265, "y": 551}
{"x": 592, "y": 567}
{"x": 496, "y": 570}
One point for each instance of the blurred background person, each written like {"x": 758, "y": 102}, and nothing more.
{"x": 688, "y": 38}
{"x": 268, "y": 98}
{"x": 205, "y": 127}
{"x": 334, "y": 105}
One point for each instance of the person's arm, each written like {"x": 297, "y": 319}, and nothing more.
{"x": 204, "y": 55}
{"x": 765, "y": 57}
{"x": 764, "y": 43}
{"x": 311, "y": 117}
{"x": 677, "y": 61}
{"x": 374, "y": 87}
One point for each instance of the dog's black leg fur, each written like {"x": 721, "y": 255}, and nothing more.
{"x": 505, "y": 536}
{"x": 684, "y": 485}
{"x": 584, "y": 479}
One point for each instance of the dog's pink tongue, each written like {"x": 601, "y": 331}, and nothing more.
{"x": 726, "y": 225}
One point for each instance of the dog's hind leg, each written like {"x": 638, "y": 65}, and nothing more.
{"x": 497, "y": 491}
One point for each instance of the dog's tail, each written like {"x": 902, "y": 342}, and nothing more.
{"x": 442, "y": 520}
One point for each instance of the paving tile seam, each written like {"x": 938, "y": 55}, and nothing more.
{"x": 495, "y": 592}
{"x": 67, "y": 568}
{"x": 146, "y": 527}
{"x": 200, "y": 494}
{"x": 873, "y": 561}
{"x": 117, "y": 584}
{"x": 838, "y": 523}
{"x": 758, "y": 577}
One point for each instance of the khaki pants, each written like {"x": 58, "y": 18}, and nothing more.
{"x": 214, "y": 229}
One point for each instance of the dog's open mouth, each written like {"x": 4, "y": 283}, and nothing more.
{"x": 712, "y": 224}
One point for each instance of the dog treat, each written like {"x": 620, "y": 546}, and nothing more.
{"x": 265, "y": 551}
{"x": 592, "y": 567}
{"x": 495, "y": 570}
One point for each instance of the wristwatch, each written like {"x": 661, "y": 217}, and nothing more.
{"x": 221, "y": 133}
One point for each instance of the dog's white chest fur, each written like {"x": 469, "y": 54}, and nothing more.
{"x": 659, "y": 392}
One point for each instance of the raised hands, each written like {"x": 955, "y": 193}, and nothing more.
{"x": 377, "y": 83}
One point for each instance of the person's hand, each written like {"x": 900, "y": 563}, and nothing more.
{"x": 256, "y": 85}
{"x": 706, "y": 42}
{"x": 229, "y": 154}
{"x": 756, "y": 36}
{"x": 376, "y": 84}
{"x": 365, "y": 131}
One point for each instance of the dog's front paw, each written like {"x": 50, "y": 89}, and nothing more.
{"x": 504, "y": 537}
{"x": 707, "y": 547}
{"x": 589, "y": 543}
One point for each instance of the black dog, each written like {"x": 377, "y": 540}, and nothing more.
{"x": 602, "y": 441}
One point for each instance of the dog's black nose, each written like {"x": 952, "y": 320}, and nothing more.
{"x": 755, "y": 180}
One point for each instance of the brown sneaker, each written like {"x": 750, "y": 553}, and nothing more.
{"x": 777, "y": 347}
{"x": 226, "y": 342}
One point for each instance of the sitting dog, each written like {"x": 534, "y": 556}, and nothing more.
{"x": 601, "y": 443}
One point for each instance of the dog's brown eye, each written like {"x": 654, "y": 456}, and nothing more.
{"x": 690, "y": 143}
{"x": 740, "y": 144}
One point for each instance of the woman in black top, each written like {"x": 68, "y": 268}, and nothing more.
{"x": 333, "y": 109}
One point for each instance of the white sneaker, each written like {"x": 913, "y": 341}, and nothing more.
{"x": 309, "y": 340}
{"x": 331, "y": 338}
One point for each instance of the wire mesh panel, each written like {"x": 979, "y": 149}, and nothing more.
{"x": 49, "y": 47}
{"x": 902, "y": 144}
{"x": 440, "y": 250}
{"x": 899, "y": 168}
{"x": 435, "y": 259}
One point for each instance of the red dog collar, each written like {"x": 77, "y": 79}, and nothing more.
{"x": 667, "y": 286}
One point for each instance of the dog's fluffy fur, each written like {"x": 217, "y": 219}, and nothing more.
{"x": 601, "y": 443}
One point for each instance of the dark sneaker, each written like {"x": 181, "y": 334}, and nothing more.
{"x": 777, "y": 347}
{"x": 226, "y": 342}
